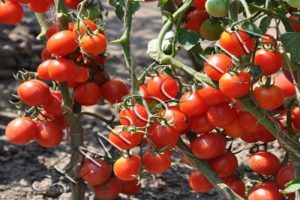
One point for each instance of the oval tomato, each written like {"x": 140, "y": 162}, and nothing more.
{"x": 87, "y": 94}
{"x": 62, "y": 43}
{"x": 216, "y": 65}
{"x": 269, "y": 98}
{"x": 263, "y": 192}
{"x": 135, "y": 116}
{"x": 50, "y": 134}
{"x": 194, "y": 19}
{"x": 288, "y": 88}
{"x": 235, "y": 130}
{"x": 191, "y": 104}
{"x": 39, "y": 6}
{"x": 269, "y": 61}
{"x": 61, "y": 69}
{"x": 163, "y": 136}
{"x": 199, "y": 183}
{"x": 157, "y": 163}
{"x": 286, "y": 174}
{"x": 225, "y": 164}
{"x": 217, "y": 8}
{"x": 93, "y": 44}
{"x": 211, "y": 96}
{"x": 72, "y": 4}
{"x": 53, "y": 106}
{"x": 11, "y": 12}
{"x": 199, "y": 4}
{"x": 296, "y": 117}
{"x": 200, "y": 124}
{"x": 221, "y": 115}
{"x": 127, "y": 168}
{"x": 237, "y": 185}
{"x": 264, "y": 163}
{"x": 84, "y": 26}
{"x": 124, "y": 140}
{"x": 131, "y": 187}
{"x": 114, "y": 90}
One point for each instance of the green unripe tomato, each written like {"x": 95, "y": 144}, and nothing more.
{"x": 211, "y": 29}
{"x": 294, "y": 3}
{"x": 217, "y": 8}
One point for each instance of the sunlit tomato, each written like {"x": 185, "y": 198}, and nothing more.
{"x": 191, "y": 104}
{"x": 124, "y": 140}
{"x": 285, "y": 175}
{"x": 100, "y": 77}
{"x": 163, "y": 87}
{"x": 211, "y": 29}
{"x": 157, "y": 163}
{"x": 84, "y": 26}
{"x": 225, "y": 164}
{"x": 200, "y": 124}
{"x": 81, "y": 74}
{"x": 53, "y": 106}
{"x": 88, "y": 93}
{"x": 216, "y": 65}
{"x": 263, "y": 192}
{"x": 109, "y": 190}
{"x": 34, "y": 92}
{"x": 50, "y": 134}
{"x": 43, "y": 69}
{"x": 72, "y": 4}
{"x": 61, "y": 69}
{"x": 234, "y": 129}
{"x": 194, "y": 19}
{"x": 199, "y": 4}
{"x": 199, "y": 183}
{"x": 269, "y": 61}
{"x": 293, "y": 3}
{"x": 296, "y": 117}
{"x": 208, "y": 146}
{"x": 135, "y": 116}
{"x": 221, "y": 115}
{"x": 163, "y": 136}
{"x": 127, "y": 168}
{"x": 11, "y": 12}
{"x": 96, "y": 171}
{"x": 39, "y": 6}
{"x": 211, "y": 96}
{"x": 20, "y": 130}
{"x": 237, "y": 43}
{"x": 264, "y": 163}
{"x": 175, "y": 118}
{"x": 269, "y": 98}
{"x": 93, "y": 44}
{"x": 237, "y": 185}
{"x": 131, "y": 187}
{"x": 62, "y": 43}
{"x": 217, "y": 8}
{"x": 114, "y": 90}
{"x": 288, "y": 88}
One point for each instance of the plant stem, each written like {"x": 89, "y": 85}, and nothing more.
{"x": 43, "y": 24}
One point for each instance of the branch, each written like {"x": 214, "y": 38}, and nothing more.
{"x": 43, "y": 24}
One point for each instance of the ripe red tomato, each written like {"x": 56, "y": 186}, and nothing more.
{"x": 62, "y": 43}
{"x": 200, "y": 124}
{"x": 225, "y": 164}
{"x": 250, "y": 137}
{"x": 157, "y": 163}
{"x": 135, "y": 116}
{"x": 235, "y": 130}
{"x": 295, "y": 26}
{"x": 237, "y": 43}
{"x": 216, "y": 65}
{"x": 285, "y": 175}
{"x": 144, "y": 92}
{"x": 269, "y": 61}
{"x": 199, "y": 183}
{"x": 39, "y": 6}
{"x": 127, "y": 169}
{"x": 296, "y": 117}
{"x": 264, "y": 163}
{"x": 263, "y": 192}
{"x": 131, "y": 187}
{"x": 45, "y": 54}
{"x": 50, "y": 134}
{"x": 30, "y": 92}
{"x": 72, "y": 4}
{"x": 54, "y": 28}
{"x": 211, "y": 96}
{"x": 288, "y": 88}
{"x": 265, "y": 136}
{"x": 24, "y": 1}
{"x": 93, "y": 44}
{"x": 163, "y": 136}
{"x": 269, "y": 98}
{"x": 208, "y": 146}
{"x": 43, "y": 69}
{"x": 109, "y": 190}
{"x": 88, "y": 93}
{"x": 199, "y": 4}
{"x": 221, "y": 115}
{"x": 53, "y": 106}
{"x": 114, "y": 90}
{"x": 163, "y": 87}
{"x": 235, "y": 85}
{"x": 95, "y": 172}
{"x": 249, "y": 122}
{"x": 194, "y": 20}
{"x": 100, "y": 77}
{"x": 269, "y": 40}
{"x": 82, "y": 27}
{"x": 21, "y": 130}
{"x": 11, "y": 12}
{"x": 125, "y": 140}
{"x": 191, "y": 104}
{"x": 237, "y": 185}
{"x": 61, "y": 69}
{"x": 81, "y": 74}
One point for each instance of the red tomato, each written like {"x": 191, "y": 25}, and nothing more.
{"x": 237, "y": 43}
{"x": 39, "y": 6}
{"x": 211, "y": 96}
{"x": 265, "y": 136}
{"x": 127, "y": 169}
{"x": 286, "y": 174}
{"x": 45, "y": 55}
{"x": 208, "y": 146}
{"x": 264, "y": 163}
{"x": 163, "y": 87}
{"x": 194, "y": 20}
{"x": 267, "y": 39}
{"x": 216, "y": 65}
{"x": 269, "y": 61}
{"x": 288, "y": 88}
{"x": 131, "y": 187}
{"x": 191, "y": 104}
{"x": 163, "y": 136}
{"x": 221, "y": 115}
{"x": 61, "y": 69}
{"x": 84, "y": 26}
{"x": 88, "y": 93}
{"x": 199, "y": 183}
{"x": 62, "y": 43}
{"x": 249, "y": 122}
{"x": 96, "y": 171}
{"x": 93, "y": 44}
{"x": 11, "y": 12}
{"x": 53, "y": 106}
{"x": 225, "y": 164}
{"x": 200, "y": 124}
{"x": 81, "y": 74}
{"x": 234, "y": 130}
{"x": 125, "y": 140}
{"x": 54, "y": 28}
{"x": 72, "y": 4}
{"x": 114, "y": 90}
{"x": 34, "y": 93}
{"x": 235, "y": 85}
{"x": 43, "y": 69}
{"x": 157, "y": 163}
{"x": 269, "y": 98}
{"x": 199, "y": 4}
{"x": 100, "y": 77}
{"x": 296, "y": 117}
{"x": 250, "y": 137}
{"x": 144, "y": 92}
{"x": 50, "y": 134}
{"x": 20, "y": 130}
{"x": 24, "y": 1}
{"x": 135, "y": 116}
{"x": 263, "y": 192}
{"x": 109, "y": 190}
{"x": 295, "y": 26}
{"x": 237, "y": 185}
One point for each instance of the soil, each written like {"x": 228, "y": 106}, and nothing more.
{"x": 27, "y": 172}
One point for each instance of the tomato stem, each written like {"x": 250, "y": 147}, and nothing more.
{"x": 43, "y": 24}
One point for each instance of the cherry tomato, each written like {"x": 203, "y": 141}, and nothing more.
{"x": 194, "y": 20}
{"x": 296, "y": 117}
{"x": 131, "y": 187}
{"x": 81, "y": 74}
{"x": 249, "y": 122}
{"x": 39, "y": 6}
{"x": 264, "y": 163}
{"x": 200, "y": 124}
{"x": 100, "y": 77}
{"x": 288, "y": 88}
{"x": 125, "y": 140}
{"x": 225, "y": 164}
{"x": 11, "y": 12}
{"x": 191, "y": 104}
{"x": 50, "y": 134}
{"x": 88, "y": 93}
{"x": 221, "y": 115}
{"x": 217, "y": 8}
{"x": 114, "y": 90}
{"x": 199, "y": 4}
{"x": 250, "y": 137}
{"x": 61, "y": 69}
{"x": 135, "y": 116}
{"x": 211, "y": 30}
{"x": 295, "y": 26}
{"x": 43, "y": 69}
{"x": 93, "y": 44}
{"x": 199, "y": 183}
{"x": 54, "y": 28}
{"x": 216, "y": 65}
{"x": 211, "y": 96}
{"x": 286, "y": 174}
{"x": 163, "y": 136}
{"x": 234, "y": 130}
{"x": 269, "y": 40}
{"x": 127, "y": 169}
{"x": 45, "y": 54}
{"x": 72, "y": 4}
{"x": 263, "y": 192}
{"x": 62, "y": 43}
{"x": 269, "y": 61}
{"x": 53, "y": 106}
{"x": 24, "y": 1}
{"x": 237, "y": 185}
{"x": 83, "y": 27}
{"x": 109, "y": 190}
{"x": 157, "y": 163}
{"x": 269, "y": 98}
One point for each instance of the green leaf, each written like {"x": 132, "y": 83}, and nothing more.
{"x": 161, "y": 3}
{"x": 188, "y": 39}
{"x": 292, "y": 186}
{"x": 151, "y": 50}
{"x": 119, "y": 6}
{"x": 252, "y": 28}
{"x": 264, "y": 24}
{"x": 291, "y": 42}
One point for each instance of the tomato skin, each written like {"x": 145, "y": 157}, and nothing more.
{"x": 24, "y": 1}
{"x": 191, "y": 104}
{"x": 131, "y": 187}
{"x": 208, "y": 146}
{"x": 61, "y": 69}
{"x": 127, "y": 169}
{"x": 39, "y": 6}
{"x": 194, "y": 20}
{"x": 125, "y": 140}
{"x": 45, "y": 54}
{"x": 72, "y": 4}
{"x": 237, "y": 185}
{"x": 199, "y": 4}
{"x": 53, "y": 106}
{"x": 264, "y": 163}
{"x": 95, "y": 174}
{"x": 285, "y": 175}
{"x": 225, "y": 164}
{"x": 221, "y": 115}
{"x": 94, "y": 44}
{"x": 163, "y": 87}
{"x": 114, "y": 90}
{"x": 157, "y": 163}
{"x": 217, "y": 8}
{"x": 284, "y": 84}
{"x": 30, "y": 92}
{"x": 235, "y": 85}
{"x": 62, "y": 43}
{"x": 217, "y": 65}
{"x": 50, "y": 134}
{"x": 82, "y": 26}
{"x": 11, "y": 12}
{"x": 211, "y": 96}
{"x": 20, "y": 130}
{"x": 269, "y": 98}
{"x": 296, "y": 117}
{"x": 263, "y": 192}
{"x": 134, "y": 116}
{"x": 211, "y": 30}
{"x": 163, "y": 136}
{"x": 43, "y": 69}
{"x": 100, "y": 77}
{"x": 250, "y": 137}
{"x": 54, "y": 28}
{"x": 81, "y": 74}
{"x": 234, "y": 130}
{"x": 88, "y": 93}
{"x": 109, "y": 190}
{"x": 199, "y": 183}
{"x": 269, "y": 61}
{"x": 294, "y": 25}
{"x": 231, "y": 43}
{"x": 200, "y": 124}
{"x": 249, "y": 122}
